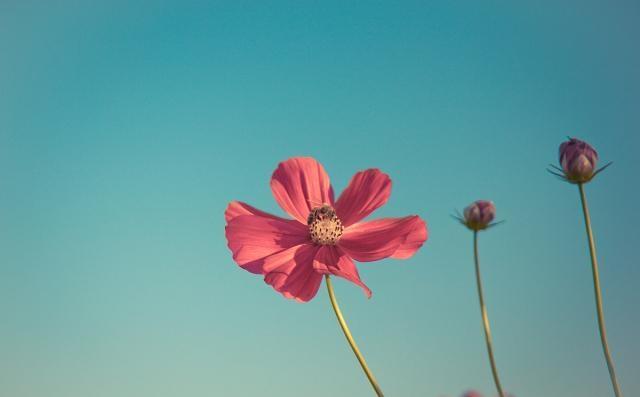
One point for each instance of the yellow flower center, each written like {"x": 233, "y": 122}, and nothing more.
{"x": 324, "y": 226}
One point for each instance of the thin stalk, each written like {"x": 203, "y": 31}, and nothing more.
{"x": 352, "y": 343}
{"x": 485, "y": 317}
{"x": 598, "y": 294}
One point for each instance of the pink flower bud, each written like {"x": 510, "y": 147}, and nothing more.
{"x": 578, "y": 160}
{"x": 479, "y": 214}
{"x": 471, "y": 393}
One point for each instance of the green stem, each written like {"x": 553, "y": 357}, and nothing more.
{"x": 485, "y": 317}
{"x": 598, "y": 294}
{"x": 352, "y": 342}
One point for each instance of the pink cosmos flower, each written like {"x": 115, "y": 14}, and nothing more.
{"x": 325, "y": 235}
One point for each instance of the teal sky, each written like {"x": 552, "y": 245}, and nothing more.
{"x": 125, "y": 129}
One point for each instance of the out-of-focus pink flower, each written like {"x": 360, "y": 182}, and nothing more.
{"x": 479, "y": 215}
{"x": 474, "y": 393}
{"x": 471, "y": 393}
{"x": 578, "y": 160}
{"x": 325, "y": 236}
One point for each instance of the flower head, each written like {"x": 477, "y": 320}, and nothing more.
{"x": 479, "y": 215}
{"x": 325, "y": 235}
{"x": 578, "y": 161}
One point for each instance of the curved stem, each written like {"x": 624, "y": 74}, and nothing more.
{"x": 485, "y": 317}
{"x": 598, "y": 294}
{"x": 352, "y": 342}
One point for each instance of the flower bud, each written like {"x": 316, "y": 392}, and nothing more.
{"x": 578, "y": 160}
{"x": 479, "y": 214}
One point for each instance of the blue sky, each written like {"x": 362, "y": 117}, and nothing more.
{"x": 126, "y": 128}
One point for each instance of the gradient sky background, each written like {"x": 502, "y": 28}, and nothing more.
{"x": 125, "y": 129}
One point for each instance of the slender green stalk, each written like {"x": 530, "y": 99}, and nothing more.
{"x": 485, "y": 317}
{"x": 352, "y": 343}
{"x": 598, "y": 294}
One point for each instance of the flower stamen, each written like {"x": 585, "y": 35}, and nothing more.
{"x": 325, "y": 227}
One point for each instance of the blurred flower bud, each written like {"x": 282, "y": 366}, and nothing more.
{"x": 578, "y": 160}
{"x": 479, "y": 214}
{"x": 471, "y": 393}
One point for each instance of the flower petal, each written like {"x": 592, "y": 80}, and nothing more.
{"x": 382, "y": 238}
{"x": 332, "y": 260}
{"x": 237, "y": 208}
{"x": 291, "y": 272}
{"x": 299, "y": 185}
{"x": 252, "y": 238}
{"x": 368, "y": 190}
